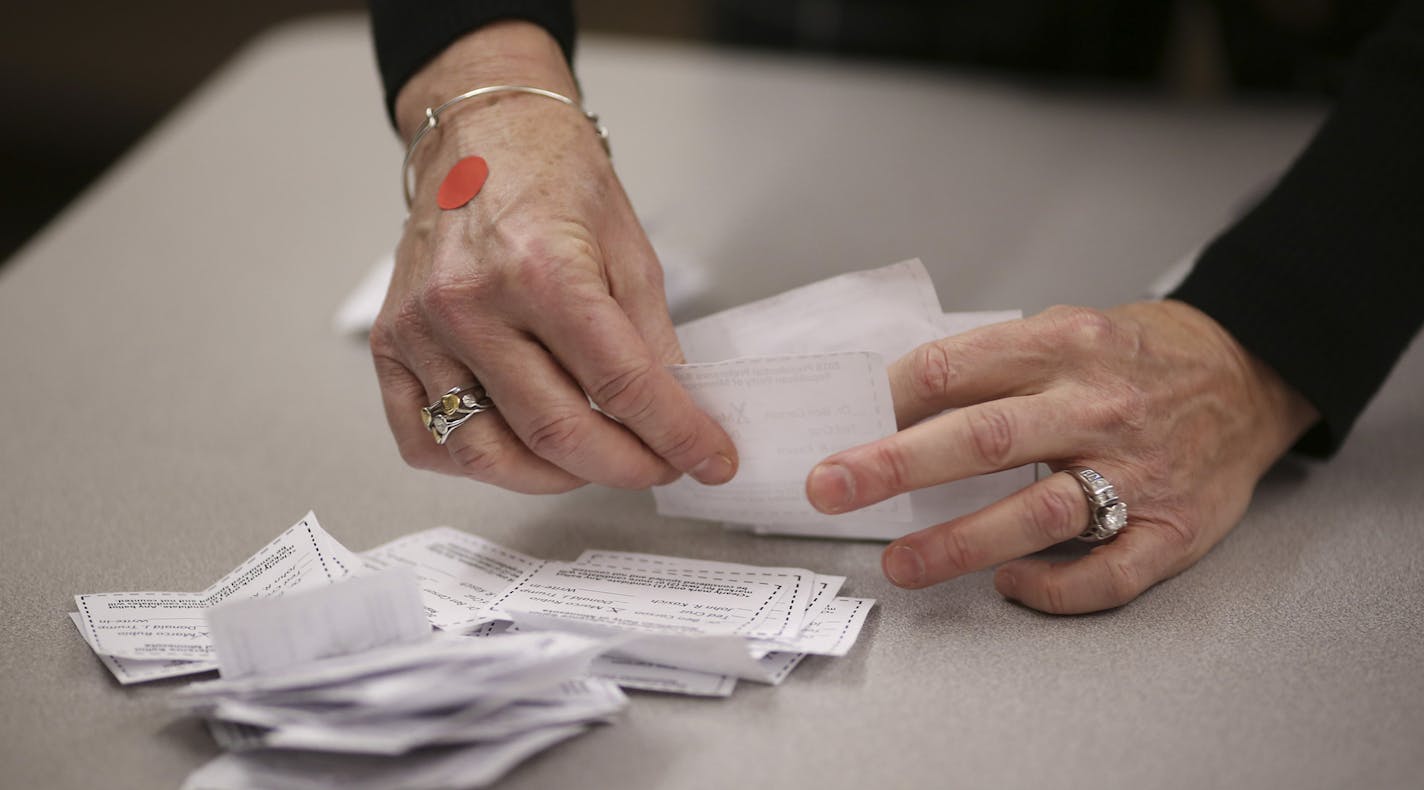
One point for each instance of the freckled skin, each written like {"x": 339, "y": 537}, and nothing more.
{"x": 543, "y": 287}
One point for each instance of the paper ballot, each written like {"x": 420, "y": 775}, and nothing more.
{"x": 163, "y": 625}
{"x": 339, "y": 676}
{"x": 460, "y": 574}
{"x": 784, "y": 414}
{"x": 690, "y": 622}
{"x": 782, "y": 619}
{"x": 888, "y": 311}
{"x": 630, "y": 600}
{"x": 351, "y": 616}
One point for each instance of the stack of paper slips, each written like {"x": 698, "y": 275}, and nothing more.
{"x": 331, "y": 673}
{"x": 688, "y": 626}
{"x": 668, "y": 624}
{"x": 354, "y": 669}
{"x": 798, "y": 376}
{"x": 143, "y": 636}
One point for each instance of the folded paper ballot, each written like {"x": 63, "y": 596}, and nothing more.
{"x": 784, "y": 414}
{"x": 153, "y": 626}
{"x": 741, "y": 371}
{"x": 330, "y": 669}
{"x": 886, "y": 311}
{"x": 360, "y": 613}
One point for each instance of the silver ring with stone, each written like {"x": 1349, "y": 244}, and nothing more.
{"x": 1107, "y": 514}
{"x": 452, "y": 410}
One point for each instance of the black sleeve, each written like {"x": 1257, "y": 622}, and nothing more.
{"x": 1324, "y": 279}
{"x": 409, "y": 33}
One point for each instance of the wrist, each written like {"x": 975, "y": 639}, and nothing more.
{"x": 502, "y": 53}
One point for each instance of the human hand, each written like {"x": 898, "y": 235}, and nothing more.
{"x": 543, "y": 287}
{"x": 1155, "y": 396}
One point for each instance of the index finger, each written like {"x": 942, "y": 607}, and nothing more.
{"x": 596, "y": 342}
{"x": 982, "y": 364}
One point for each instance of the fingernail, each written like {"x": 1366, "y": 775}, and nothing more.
{"x": 904, "y": 567}
{"x": 713, "y": 470}
{"x": 830, "y": 488}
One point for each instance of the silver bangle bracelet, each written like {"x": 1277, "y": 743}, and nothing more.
{"x": 432, "y": 119}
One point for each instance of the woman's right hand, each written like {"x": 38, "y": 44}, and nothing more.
{"x": 543, "y": 287}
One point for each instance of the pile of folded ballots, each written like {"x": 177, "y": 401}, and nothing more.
{"x": 331, "y": 673}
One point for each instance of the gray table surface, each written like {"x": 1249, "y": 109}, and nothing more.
{"x": 173, "y": 397}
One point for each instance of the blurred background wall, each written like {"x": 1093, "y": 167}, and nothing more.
{"x": 84, "y": 80}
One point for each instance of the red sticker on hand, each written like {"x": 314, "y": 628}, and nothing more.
{"x": 462, "y": 183}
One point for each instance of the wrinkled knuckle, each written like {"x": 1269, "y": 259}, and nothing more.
{"x": 447, "y": 301}
{"x": 628, "y": 393}
{"x": 406, "y": 323}
{"x": 1055, "y": 597}
{"x": 892, "y": 468}
{"x": 556, "y": 436}
{"x": 678, "y": 443}
{"x": 1124, "y": 580}
{"x": 541, "y": 263}
{"x": 1053, "y": 515}
{"x": 957, "y": 552}
{"x": 382, "y": 339}
{"x": 537, "y": 272}
{"x": 477, "y": 461}
{"x": 1180, "y": 536}
{"x": 991, "y": 435}
{"x": 933, "y": 374}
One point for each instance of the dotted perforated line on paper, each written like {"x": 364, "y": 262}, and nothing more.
{"x": 756, "y": 616}
{"x": 859, "y": 603}
{"x": 513, "y": 588}
{"x": 89, "y": 618}
{"x": 790, "y": 662}
{"x": 815, "y": 599}
{"x": 317, "y": 548}
{"x": 345, "y": 571}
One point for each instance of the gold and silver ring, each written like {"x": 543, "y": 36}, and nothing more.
{"x": 452, "y": 410}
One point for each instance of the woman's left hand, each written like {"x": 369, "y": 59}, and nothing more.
{"x": 1155, "y": 396}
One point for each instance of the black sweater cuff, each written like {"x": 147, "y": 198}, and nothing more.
{"x": 1324, "y": 280}
{"x": 409, "y": 33}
